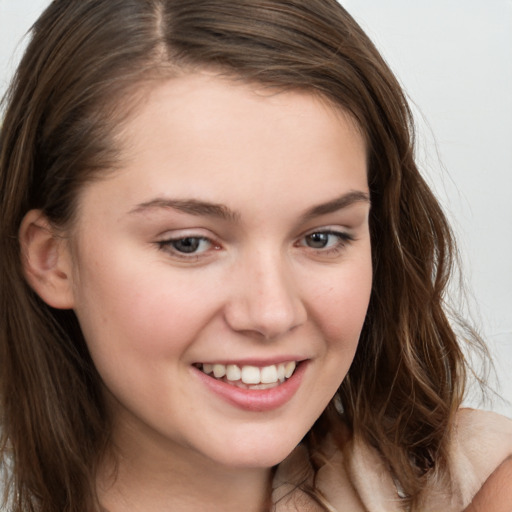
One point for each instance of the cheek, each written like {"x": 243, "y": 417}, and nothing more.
{"x": 128, "y": 309}
{"x": 135, "y": 326}
{"x": 342, "y": 304}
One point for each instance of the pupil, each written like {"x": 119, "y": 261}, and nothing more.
{"x": 318, "y": 240}
{"x": 187, "y": 244}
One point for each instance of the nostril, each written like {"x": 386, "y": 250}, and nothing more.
{"x": 268, "y": 319}
{"x": 264, "y": 300}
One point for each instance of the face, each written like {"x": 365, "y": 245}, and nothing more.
{"x": 221, "y": 277}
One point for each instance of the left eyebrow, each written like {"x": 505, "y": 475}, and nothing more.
{"x": 339, "y": 203}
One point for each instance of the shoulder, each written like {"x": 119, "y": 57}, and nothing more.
{"x": 481, "y": 442}
{"x": 496, "y": 493}
{"x": 354, "y": 477}
{"x": 472, "y": 422}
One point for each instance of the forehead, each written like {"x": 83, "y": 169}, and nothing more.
{"x": 232, "y": 142}
{"x": 203, "y": 104}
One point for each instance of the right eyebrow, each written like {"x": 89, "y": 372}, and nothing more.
{"x": 190, "y": 206}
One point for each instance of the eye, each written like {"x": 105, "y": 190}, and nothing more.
{"x": 193, "y": 245}
{"x": 326, "y": 241}
{"x": 321, "y": 240}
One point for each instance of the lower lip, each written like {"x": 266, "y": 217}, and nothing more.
{"x": 255, "y": 400}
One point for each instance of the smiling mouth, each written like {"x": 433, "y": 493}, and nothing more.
{"x": 250, "y": 377}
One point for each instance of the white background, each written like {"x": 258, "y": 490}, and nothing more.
{"x": 454, "y": 59}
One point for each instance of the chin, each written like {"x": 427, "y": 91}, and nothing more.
{"x": 262, "y": 453}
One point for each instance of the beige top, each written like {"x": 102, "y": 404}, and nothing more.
{"x": 355, "y": 479}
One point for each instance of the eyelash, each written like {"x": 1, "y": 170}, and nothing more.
{"x": 169, "y": 245}
{"x": 342, "y": 240}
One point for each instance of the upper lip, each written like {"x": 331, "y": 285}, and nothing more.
{"x": 254, "y": 362}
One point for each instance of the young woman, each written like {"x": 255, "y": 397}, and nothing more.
{"x": 222, "y": 275}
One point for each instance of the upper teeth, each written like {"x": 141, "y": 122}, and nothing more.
{"x": 251, "y": 374}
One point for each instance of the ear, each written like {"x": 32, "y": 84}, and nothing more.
{"x": 46, "y": 260}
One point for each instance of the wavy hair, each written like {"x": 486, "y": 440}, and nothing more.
{"x": 63, "y": 114}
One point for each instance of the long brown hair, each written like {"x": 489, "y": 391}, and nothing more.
{"x": 64, "y": 109}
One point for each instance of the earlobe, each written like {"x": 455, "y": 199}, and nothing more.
{"x": 46, "y": 260}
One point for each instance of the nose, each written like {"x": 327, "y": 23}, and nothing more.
{"x": 265, "y": 298}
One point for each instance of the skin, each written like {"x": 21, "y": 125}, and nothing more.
{"x": 256, "y": 287}
{"x": 496, "y": 494}
{"x": 277, "y": 168}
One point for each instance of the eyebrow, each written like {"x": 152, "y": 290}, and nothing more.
{"x": 208, "y": 209}
{"x": 190, "y": 206}
{"x": 339, "y": 203}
